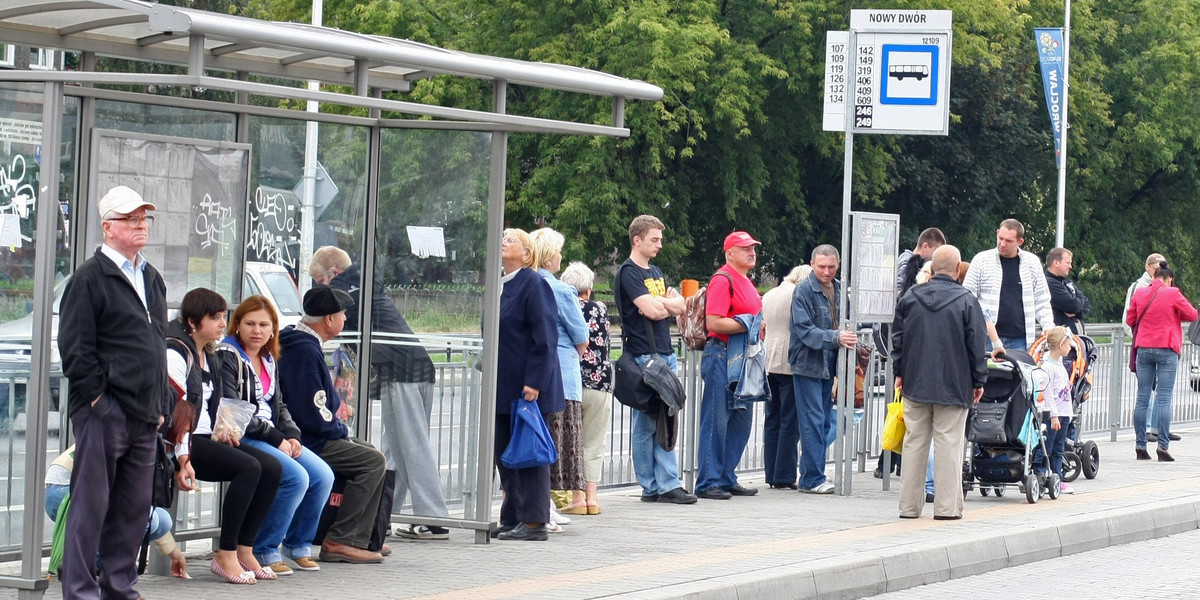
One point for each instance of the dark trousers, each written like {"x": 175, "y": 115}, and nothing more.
{"x": 253, "y": 477}
{"x": 526, "y": 491}
{"x": 781, "y": 432}
{"x": 114, "y": 466}
{"x": 362, "y": 466}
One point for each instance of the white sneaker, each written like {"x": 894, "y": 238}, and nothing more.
{"x": 553, "y": 527}
{"x": 421, "y": 532}
{"x": 1064, "y": 488}
{"x": 824, "y": 488}
{"x": 558, "y": 518}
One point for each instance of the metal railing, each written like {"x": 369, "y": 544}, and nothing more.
{"x": 453, "y": 427}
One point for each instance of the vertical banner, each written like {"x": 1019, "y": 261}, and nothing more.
{"x": 1050, "y": 56}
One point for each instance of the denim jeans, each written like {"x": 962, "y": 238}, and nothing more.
{"x": 929, "y": 489}
{"x": 1014, "y": 344}
{"x": 814, "y": 410}
{"x": 296, "y": 511}
{"x": 781, "y": 432}
{"x": 1056, "y": 445}
{"x": 656, "y": 469}
{"x": 159, "y": 523}
{"x": 1155, "y": 371}
{"x": 723, "y": 432}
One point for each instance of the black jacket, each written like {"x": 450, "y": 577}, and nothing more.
{"x": 938, "y": 341}
{"x": 179, "y": 340}
{"x": 402, "y": 361}
{"x": 233, "y": 359}
{"x": 111, "y": 343}
{"x": 1066, "y": 298}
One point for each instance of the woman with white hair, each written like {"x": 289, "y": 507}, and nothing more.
{"x": 596, "y": 369}
{"x": 566, "y": 427}
{"x": 781, "y": 427}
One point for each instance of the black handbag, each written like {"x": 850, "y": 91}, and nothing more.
{"x": 630, "y": 388}
{"x": 987, "y": 423}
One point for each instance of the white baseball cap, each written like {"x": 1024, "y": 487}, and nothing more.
{"x": 122, "y": 201}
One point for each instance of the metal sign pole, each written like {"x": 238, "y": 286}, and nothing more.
{"x": 842, "y": 480}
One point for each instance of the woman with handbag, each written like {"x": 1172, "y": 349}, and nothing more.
{"x": 249, "y": 373}
{"x": 527, "y": 370}
{"x": 208, "y": 451}
{"x": 1156, "y": 314}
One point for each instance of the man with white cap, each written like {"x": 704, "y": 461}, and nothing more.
{"x": 114, "y": 354}
{"x": 725, "y": 422}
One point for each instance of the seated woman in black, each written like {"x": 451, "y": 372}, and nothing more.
{"x": 253, "y": 475}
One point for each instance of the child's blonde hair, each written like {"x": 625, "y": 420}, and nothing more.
{"x": 1055, "y": 336}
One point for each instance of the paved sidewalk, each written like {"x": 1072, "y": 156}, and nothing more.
{"x": 778, "y": 544}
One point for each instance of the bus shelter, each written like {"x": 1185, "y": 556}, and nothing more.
{"x": 215, "y": 119}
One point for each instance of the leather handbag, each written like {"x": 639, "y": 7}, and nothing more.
{"x": 629, "y": 386}
{"x": 530, "y": 444}
{"x": 1134, "y": 350}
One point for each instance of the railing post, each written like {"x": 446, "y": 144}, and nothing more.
{"x": 1116, "y": 381}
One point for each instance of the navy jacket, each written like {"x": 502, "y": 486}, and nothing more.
{"x": 527, "y": 354}
{"x": 308, "y": 389}
{"x": 111, "y": 343}
{"x": 402, "y": 361}
{"x": 813, "y": 348}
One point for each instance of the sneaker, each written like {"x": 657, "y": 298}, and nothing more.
{"x": 558, "y": 518}
{"x": 553, "y": 527}
{"x": 1064, "y": 488}
{"x": 421, "y": 532}
{"x": 677, "y": 496}
{"x": 824, "y": 488}
{"x": 306, "y": 563}
{"x": 279, "y": 569}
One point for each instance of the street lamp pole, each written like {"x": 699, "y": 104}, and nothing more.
{"x": 1062, "y": 162}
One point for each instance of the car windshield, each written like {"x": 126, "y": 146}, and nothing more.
{"x": 284, "y": 292}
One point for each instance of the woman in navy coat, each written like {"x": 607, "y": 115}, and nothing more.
{"x": 527, "y": 367}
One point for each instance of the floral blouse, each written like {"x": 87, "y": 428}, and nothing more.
{"x": 595, "y": 365}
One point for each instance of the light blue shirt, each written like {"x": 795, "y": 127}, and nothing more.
{"x": 134, "y": 272}
{"x": 572, "y": 330}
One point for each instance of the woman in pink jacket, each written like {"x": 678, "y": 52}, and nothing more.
{"x": 1156, "y": 314}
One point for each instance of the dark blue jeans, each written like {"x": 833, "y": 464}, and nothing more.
{"x": 781, "y": 431}
{"x": 723, "y": 432}
{"x": 814, "y": 410}
{"x": 1056, "y": 445}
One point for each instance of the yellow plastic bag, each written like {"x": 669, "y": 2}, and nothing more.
{"x": 893, "y": 426}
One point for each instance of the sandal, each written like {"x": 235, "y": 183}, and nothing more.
{"x": 593, "y": 509}
{"x": 243, "y": 578}
{"x": 582, "y": 509}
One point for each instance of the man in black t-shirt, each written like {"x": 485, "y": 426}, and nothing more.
{"x": 643, "y": 298}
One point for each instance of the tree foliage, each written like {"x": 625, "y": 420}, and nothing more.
{"x": 736, "y": 142}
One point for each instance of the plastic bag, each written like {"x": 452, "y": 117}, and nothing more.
{"x": 530, "y": 444}
{"x": 233, "y": 416}
{"x": 893, "y": 426}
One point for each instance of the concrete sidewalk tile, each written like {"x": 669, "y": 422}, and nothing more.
{"x": 773, "y": 583}
{"x": 1030, "y": 545}
{"x": 1131, "y": 524}
{"x": 977, "y": 555}
{"x": 849, "y": 577}
{"x": 1176, "y": 517}
{"x": 707, "y": 589}
{"x": 1083, "y": 533}
{"x": 913, "y": 565}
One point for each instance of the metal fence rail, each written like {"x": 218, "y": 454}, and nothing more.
{"x": 457, "y": 395}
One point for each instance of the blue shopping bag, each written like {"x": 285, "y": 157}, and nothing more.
{"x": 530, "y": 444}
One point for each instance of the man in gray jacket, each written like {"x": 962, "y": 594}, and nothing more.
{"x": 940, "y": 364}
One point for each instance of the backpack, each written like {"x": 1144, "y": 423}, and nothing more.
{"x": 693, "y": 322}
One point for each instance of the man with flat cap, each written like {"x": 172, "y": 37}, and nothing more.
{"x": 115, "y": 358}
{"x": 313, "y": 401}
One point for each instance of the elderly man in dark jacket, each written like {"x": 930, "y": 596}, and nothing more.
{"x": 940, "y": 364}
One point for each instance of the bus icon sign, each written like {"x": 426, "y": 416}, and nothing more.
{"x": 912, "y": 75}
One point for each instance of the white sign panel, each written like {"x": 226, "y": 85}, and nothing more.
{"x": 902, "y": 83}
{"x": 836, "y": 80}
{"x": 899, "y": 20}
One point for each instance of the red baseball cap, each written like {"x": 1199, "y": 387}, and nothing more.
{"x": 739, "y": 238}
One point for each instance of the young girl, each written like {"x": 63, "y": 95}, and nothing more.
{"x": 1058, "y": 399}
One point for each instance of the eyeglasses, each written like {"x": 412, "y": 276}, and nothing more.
{"x": 135, "y": 221}
{"x": 510, "y": 240}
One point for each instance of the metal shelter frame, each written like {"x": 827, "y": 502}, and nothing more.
{"x": 253, "y": 57}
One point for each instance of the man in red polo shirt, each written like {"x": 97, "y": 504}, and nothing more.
{"x": 725, "y": 423}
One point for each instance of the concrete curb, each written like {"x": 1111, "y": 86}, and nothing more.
{"x": 860, "y": 575}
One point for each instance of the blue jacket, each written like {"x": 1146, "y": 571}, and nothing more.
{"x": 812, "y": 351}
{"x": 747, "y": 360}
{"x": 572, "y": 330}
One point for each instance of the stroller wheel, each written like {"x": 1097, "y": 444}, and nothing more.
{"x": 999, "y": 491}
{"x": 1052, "y": 486}
{"x": 1071, "y": 466}
{"x": 983, "y": 491}
{"x": 1033, "y": 489}
{"x": 1090, "y": 459}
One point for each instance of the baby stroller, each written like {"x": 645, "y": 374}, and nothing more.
{"x": 1005, "y": 429}
{"x": 1079, "y": 457}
